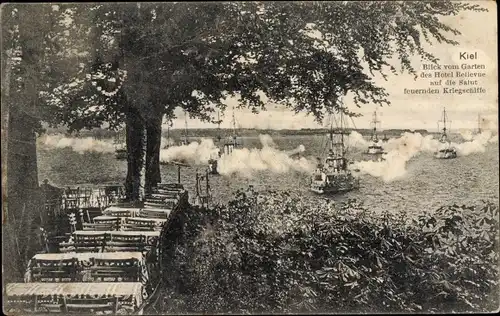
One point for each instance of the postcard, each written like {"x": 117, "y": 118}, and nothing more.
{"x": 250, "y": 157}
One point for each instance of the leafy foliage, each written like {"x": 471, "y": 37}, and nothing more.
{"x": 306, "y": 55}
{"x": 280, "y": 253}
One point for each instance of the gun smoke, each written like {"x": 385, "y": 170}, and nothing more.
{"x": 77, "y": 144}
{"x": 400, "y": 150}
{"x": 242, "y": 161}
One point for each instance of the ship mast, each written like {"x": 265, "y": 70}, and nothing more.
{"x": 337, "y": 146}
{"x": 444, "y": 121}
{"x": 186, "y": 127}
{"x": 342, "y": 153}
{"x": 331, "y": 135}
{"x": 218, "y": 126}
{"x": 234, "y": 129}
{"x": 479, "y": 124}
{"x": 444, "y": 136}
{"x": 375, "y": 121}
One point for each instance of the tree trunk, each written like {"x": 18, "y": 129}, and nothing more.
{"x": 153, "y": 175}
{"x": 135, "y": 149}
{"x": 23, "y": 194}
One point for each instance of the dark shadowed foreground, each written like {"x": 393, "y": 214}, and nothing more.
{"x": 280, "y": 253}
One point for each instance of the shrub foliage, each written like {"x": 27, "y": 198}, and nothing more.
{"x": 279, "y": 253}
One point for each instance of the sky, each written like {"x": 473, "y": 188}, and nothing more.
{"x": 406, "y": 111}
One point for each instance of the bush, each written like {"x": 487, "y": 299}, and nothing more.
{"x": 281, "y": 253}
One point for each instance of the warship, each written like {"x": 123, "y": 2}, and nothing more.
{"x": 446, "y": 150}
{"x": 333, "y": 175}
{"x": 375, "y": 149}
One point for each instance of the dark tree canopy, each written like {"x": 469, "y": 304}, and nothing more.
{"x": 169, "y": 50}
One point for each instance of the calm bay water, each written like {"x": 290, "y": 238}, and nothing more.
{"x": 428, "y": 184}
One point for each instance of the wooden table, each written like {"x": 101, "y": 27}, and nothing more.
{"x": 117, "y": 233}
{"x": 127, "y": 292}
{"x": 86, "y": 256}
{"x": 121, "y": 211}
{"x": 124, "y": 218}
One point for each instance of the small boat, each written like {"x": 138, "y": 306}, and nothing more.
{"x": 446, "y": 150}
{"x": 385, "y": 139}
{"x": 334, "y": 176}
{"x": 375, "y": 149}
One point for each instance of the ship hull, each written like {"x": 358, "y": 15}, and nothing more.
{"x": 334, "y": 189}
{"x": 445, "y": 156}
{"x": 378, "y": 156}
{"x": 375, "y": 151}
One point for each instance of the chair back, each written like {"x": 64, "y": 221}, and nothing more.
{"x": 65, "y": 270}
{"x": 90, "y": 306}
{"x": 115, "y": 270}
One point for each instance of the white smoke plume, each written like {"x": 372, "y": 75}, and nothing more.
{"x": 466, "y": 134}
{"x": 194, "y": 153}
{"x": 80, "y": 145}
{"x": 296, "y": 151}
{"x": 245, "y": 162}
{"x": 357, "y": 140}
{"x": 477, "y": 144}
{"x": 241, "y": 161}
{"x": 401, "y": 150}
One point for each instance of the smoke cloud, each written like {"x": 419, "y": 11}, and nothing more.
{"x": 401, "y": 150}
{"x": 80, "y": 145}
{"x": 194, "y": 153}
{"x": 245, "y": 162}
{"x": 242, "y": 161}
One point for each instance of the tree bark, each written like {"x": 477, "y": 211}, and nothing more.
{"x": 25, "y": 206}
{"x": 153, "y": 175}
{"x": 135, "y": 149}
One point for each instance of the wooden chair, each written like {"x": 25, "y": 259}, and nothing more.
{"x": 115, "y": 270}
{"x": 89, "y": 243}
{"x": 33, "y": 303}
{"x": 90, "y": 306}
{"x": 113, "y": 193}
{"x": 72, "y": 198}
{"x": 100, "y": 226}
{"x": 139, "y": 224}
{"x": 125, "y": 243}
{"x": 111, "y": 223}
{"x": 85, "y": 197}
{"x": 154, "y": 213}
{"x": 55, "y": 270}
